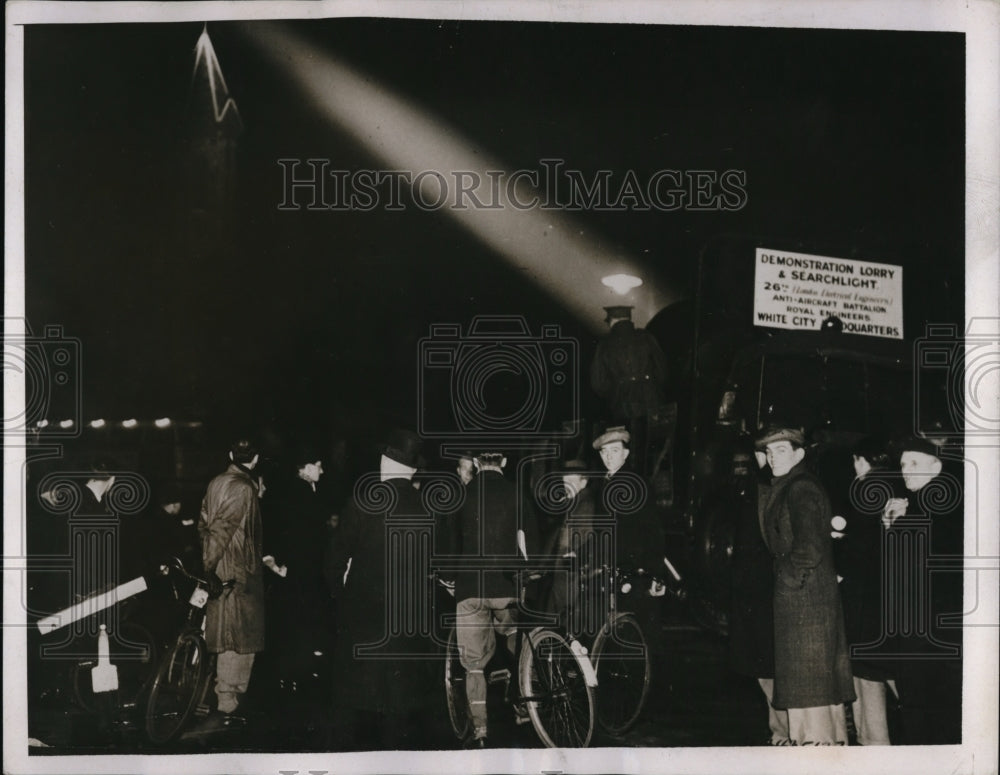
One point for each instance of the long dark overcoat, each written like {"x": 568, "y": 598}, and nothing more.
{"x": 861, "y": 564}
{"x": 811, "y": 666}
{"x": 381, "y": 653}
{"x": 751, "y": 617}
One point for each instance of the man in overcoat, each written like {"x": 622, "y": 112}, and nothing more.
{"x": 302, "y": 606}
{"x": 231, "y": 538}
{"x": 751, "y": 618}
{"x": 812, "y": 672}
{"x": 381, "y": 666}
{"x": 572, "y": 540}
{"x": 925, "y": 525}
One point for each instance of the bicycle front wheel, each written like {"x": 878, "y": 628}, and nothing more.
{"x": 622, "y": 662}
{"x": 454, "y": 689}
{"x": 177, "y": 688}
{"x": 553, "y": 682}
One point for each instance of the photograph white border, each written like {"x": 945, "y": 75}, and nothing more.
{"x": 979, "y": 21}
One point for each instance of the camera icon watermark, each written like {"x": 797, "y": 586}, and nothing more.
{"x": 955, "y": 379}
{"x": 50, "y": 367}
{"x": 497, "y": 381}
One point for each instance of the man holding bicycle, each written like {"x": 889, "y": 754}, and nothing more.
{"x": 638, "y": 532}
{"x": 493, "y": 534}
{"x": 230, "y": 529}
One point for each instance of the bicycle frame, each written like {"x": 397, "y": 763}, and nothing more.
{"x": 181, "y": 685}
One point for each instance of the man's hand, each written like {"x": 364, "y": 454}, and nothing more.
{"x": 449, "y": 586}
{"x": 275, "y": 568}
{"x": 657, "y": 589}
{"x": 214, "y": 585}
{"x": 896, "y": 507}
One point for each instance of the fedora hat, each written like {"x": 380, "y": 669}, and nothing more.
{"x": 575, "y": 466}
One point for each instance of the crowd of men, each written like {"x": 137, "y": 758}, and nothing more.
{"x": 381, "y": 671}
{"x": 359, "y": 583}
{"x": 837, "y": 609}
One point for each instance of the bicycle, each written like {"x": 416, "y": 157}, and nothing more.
{"x": 620, "y": 653}
{"x": 182, "y": 680}
{"x": 555, "y": 683}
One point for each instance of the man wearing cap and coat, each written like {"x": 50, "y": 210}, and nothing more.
{"x": 231, "y": 539}
{"x": 812, "y": 672}
{"x": 380, "y": 696}
{"x": 571, "y": 540}
{"x": 629, "y": 372}
{"x": 638, "y": 538}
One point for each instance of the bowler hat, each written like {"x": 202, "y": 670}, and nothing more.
{"x": 919, "y": 444}
{"x": 611, "y": 435}
{"x": 403, "y": 446}
{"x": 575, "y": 466}
{"x": 778, "y": 432}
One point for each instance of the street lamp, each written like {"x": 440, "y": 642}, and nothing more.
{"x": 621, "y": 283}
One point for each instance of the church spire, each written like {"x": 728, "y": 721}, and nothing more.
{"x": 210, "y": 100}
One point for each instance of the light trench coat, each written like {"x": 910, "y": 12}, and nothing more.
{"x": 231, "y": 538}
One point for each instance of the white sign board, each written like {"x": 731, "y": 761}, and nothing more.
{"x": 799, "y": 291}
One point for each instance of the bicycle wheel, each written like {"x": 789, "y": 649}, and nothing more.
{"x": 136, "y": 660}
{"x": 560, "y": 703}
{"x": 177, "y": 688}
{"x": 621, "y": 659}
{"x": 454, "y": 690}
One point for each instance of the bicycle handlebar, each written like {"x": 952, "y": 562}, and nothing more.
{"x": 174, "y": 563}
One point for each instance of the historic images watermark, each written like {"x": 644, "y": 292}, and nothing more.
{"x": 315, "y": 185}
{"x": 50, "y": 368}
{"x": 543, "y": 365}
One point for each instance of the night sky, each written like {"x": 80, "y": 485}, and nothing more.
{"x": 852, "y": 143}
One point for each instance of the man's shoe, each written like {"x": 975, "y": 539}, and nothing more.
{"x": 521, "y": 715}
{"x": 214, "y": 723}
{"x": 475, "y": 743}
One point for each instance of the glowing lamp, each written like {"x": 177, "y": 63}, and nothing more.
{"x": 163, "y": 422}
{"x": 42, "y": 423}
{"x": 621, "y": 283}
{"x": 66, "y": 424}
{"x": 130, "y": 423}
{"x": 97, "y": 423}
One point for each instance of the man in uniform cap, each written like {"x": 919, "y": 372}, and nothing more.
{"x": 629, "y": 372}
{"x": 812, "y": 673}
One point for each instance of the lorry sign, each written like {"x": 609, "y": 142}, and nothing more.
{"x": 799, "y": 291}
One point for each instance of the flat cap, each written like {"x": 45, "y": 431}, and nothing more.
{"x": 776, "y": 432}
{"x": 611, "y": 435}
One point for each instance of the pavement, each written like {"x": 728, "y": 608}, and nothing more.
{"x": 695, "y": 701}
